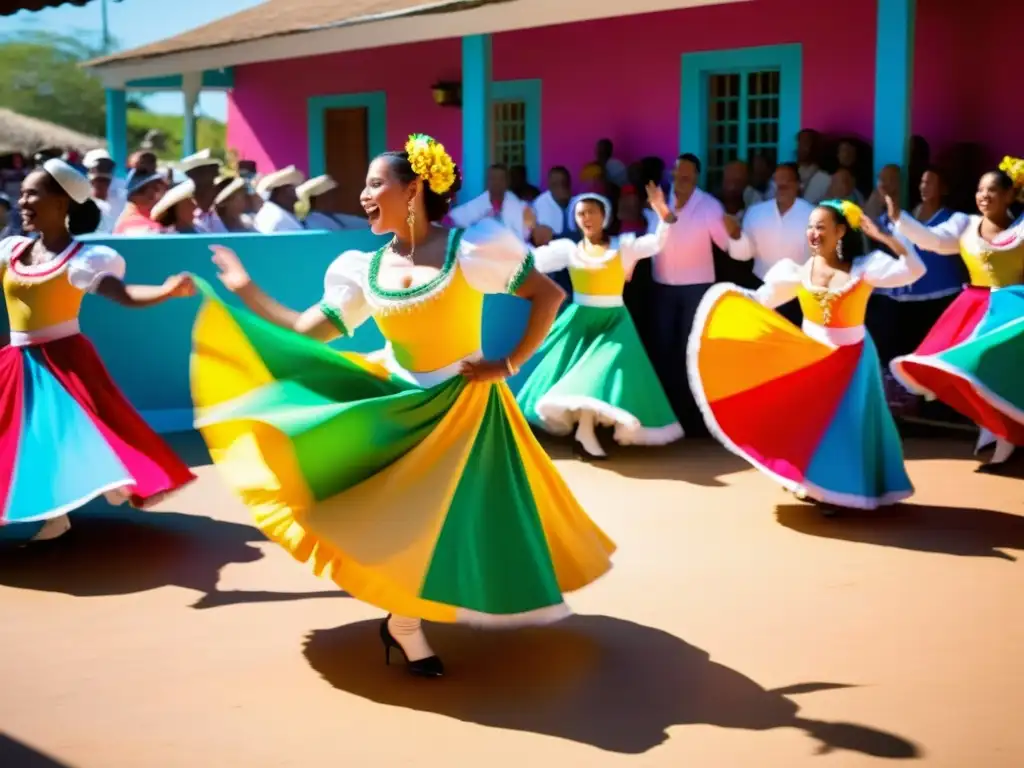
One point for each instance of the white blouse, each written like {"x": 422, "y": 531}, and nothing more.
{"x": 84, "y": 271}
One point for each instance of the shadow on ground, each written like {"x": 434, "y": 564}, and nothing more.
{"x": 699, "y": 461}
{"x": 119, "y": 551}
{"x": 916, "y": 527}
{"x": 15, "y": 754}
{"x": 597, "y": 680}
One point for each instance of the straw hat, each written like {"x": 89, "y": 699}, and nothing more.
{"x": 176, "y": 194}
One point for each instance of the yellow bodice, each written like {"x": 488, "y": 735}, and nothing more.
{"x": 842, "y": 308}
{"x": 41, "y": 299}
{"x": 992, "y": 268}
{"x": 598, "y": 276}
{"x": 430, "y": 333}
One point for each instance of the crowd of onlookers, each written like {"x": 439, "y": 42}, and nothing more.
{"x": 754, "y": 215}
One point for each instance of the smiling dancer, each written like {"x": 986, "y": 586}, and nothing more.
{"x": 972, "y": 358}
{"x": 67, "y": 434}
{"x": 593, "y": 368}
{"x": 416, "y": 485}
{"x": 807, "y": 407}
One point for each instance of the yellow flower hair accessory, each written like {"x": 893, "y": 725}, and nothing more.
{"x": 851, "y": 211}
{"x": 431, "y": 162}
{"x": 1014, "y": 168}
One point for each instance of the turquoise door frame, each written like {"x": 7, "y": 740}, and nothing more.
{"x": 376, "y": 105}
{"x": 894, "y": 74}
{"x": 698, "y": 67}
{"x": 476, "y": 114}
{"x": 528, "y": 92}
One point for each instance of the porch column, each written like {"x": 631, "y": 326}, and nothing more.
{"x": 191, "y": 85}
{"x": 894, "y": 69}
{"x": 476, "y": 114}
{"x": 117, "y": 127}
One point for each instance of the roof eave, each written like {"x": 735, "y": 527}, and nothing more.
{"x": 397, "y": 28}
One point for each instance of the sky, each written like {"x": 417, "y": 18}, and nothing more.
{"x": 133, "y": 23}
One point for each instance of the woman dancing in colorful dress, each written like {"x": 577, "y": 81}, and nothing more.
{"x": 807, "y": 407}
{"x": 67, "y": 434}
{"x": 593, "y": 368}
{"x": 972, "y": 358}
{"x": 415, "y": 484}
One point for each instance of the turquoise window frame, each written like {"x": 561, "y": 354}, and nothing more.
{"x": 376, "y": 105}
{"x": 696, "y": 68}
{"x": 528, "y": 92}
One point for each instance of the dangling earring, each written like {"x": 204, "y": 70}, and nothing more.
{"x": 839, "y": 250}
{"x": 411, "y": 221}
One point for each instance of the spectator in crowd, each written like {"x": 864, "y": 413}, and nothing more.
{"x": 232, "y": 202}
{"x": 520, "y": 185}
{"x": 633, "y": 217}
{"x": 107, "y": 190}
{"x": 8, "y": 227}
{"x": 277, "y": 214}
{"x": 175, "y": 212}
{"x": 143, "y": 191}
{"x": 844, "y": 186}
{"x": 143, "y": 161}
{"x": 614, "y": 169}
{"x": 683, "y": 272}
{"x": 814, "y": 182}
{"x": 552, "y": 209}
{"x": 854, "y": 156}
{"x": 889, "y": 183}
{"x": 202, "y": 170}
{"x": 761, "y": 170}
{"x": 498, "y": 202}
{"x": 775, "y": 230}
{"x": 318, "y": 193}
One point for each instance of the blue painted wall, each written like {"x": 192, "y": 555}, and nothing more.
{"x": 147, "y": 350}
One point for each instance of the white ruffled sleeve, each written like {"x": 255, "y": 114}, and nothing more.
{"x": 90, "y": 265}
{"x": 780, "y": 284}
{"x": 883, "y": 271}
{"x": 344, "y": 302}
{"x": 944, "y": 238}
{"x": 553, "y": 256}
{"x": 493, "y": 259}
{"x": 633, "y": 249}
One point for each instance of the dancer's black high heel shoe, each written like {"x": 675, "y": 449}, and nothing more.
{"x": 428, "y": 667}
{"x": 583, "y": 454}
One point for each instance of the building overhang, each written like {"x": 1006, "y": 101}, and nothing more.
{"x": 416, "y": 25}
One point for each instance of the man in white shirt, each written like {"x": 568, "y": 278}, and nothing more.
{"x": 554, "y": 218}
{"x": 277, "y": 214}
{"x": 497, "y": 202}
{"x": 108, "y": 192}
{"x": 317, "y": 194}
{"x": 202, "y": 169}
{"x": 814, "y": 182}
{"x": 775, "y": 230}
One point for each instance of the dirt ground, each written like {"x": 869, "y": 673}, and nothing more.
{"x": 739, "y": 629}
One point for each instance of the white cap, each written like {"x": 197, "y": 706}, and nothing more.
{"x": 237, "y": 184}
{"x": 315, "y": 187}
{"x": 282, "y": 178}
{"x": 94, "y": 156}
{"x": 71, "y": 181}
{"x": 198, "y": 160}
{"x": 172, "y": 197}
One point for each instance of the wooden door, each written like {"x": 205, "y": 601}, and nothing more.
{"x": 347, "y": 154}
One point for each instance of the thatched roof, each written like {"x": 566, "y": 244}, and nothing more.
{"x": 28, "y": 135}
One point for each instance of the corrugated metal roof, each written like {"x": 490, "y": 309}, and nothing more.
{"x": 7, "y": 7}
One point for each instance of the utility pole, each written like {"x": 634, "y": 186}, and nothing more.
{"x": 105, "y": 26}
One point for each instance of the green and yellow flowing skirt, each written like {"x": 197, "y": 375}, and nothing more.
{"x": 432, "y": 502}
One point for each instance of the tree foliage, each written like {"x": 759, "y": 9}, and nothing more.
{"x": 43, "y": 78}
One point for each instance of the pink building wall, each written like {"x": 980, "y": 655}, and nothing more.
{"x": 966, "y": 81}
{"x": 620, "y": 78}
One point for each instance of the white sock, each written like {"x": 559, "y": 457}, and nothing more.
{"x": 586, "y": 435}
{"x": 408, "y": 633}
{"x": 53, "y": 528}
{"x": 985, "y": 438}
{"x": 1004, "y": 450}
